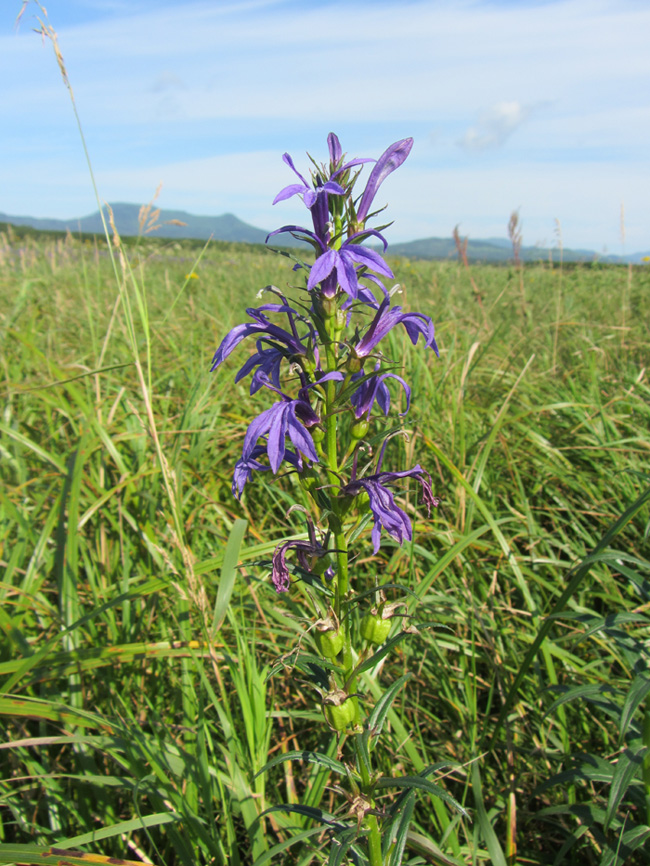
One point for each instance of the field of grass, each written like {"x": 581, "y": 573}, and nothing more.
{"x": 138, "y": 625}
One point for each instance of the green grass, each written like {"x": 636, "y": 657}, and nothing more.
{"x": 135, "y": 704}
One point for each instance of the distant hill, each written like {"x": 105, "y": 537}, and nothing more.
{"x": 498, "y": 250}
{"x": 171, "y": 224}
{"x": 181, "y": 225}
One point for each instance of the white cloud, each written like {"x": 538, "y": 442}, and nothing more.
{"x": 495, "y": 126}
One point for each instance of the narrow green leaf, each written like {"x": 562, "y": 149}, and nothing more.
{"x": 399, "y": 833}
{"x": 308, "y": 812}
{"x": 383, "y": 651}
{"x": 638, "y": 691}
{"x": 428, "y": 849}
{"x": 305, "y": 755}
{"x": 228, "y": 574}
{"x": 497, "y": 857}
{"x": 422, "y": 784}
{"x": 383, "y": 705}
{"x": 628, "y": 765}
{"x": 340, "y": 845}
{"x": 283, "y": 846}
{"x": 57, "y": 856}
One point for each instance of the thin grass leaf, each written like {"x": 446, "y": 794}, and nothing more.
{"x": 638, "y": 690}
{"x": 57, "y": 856}
{"x": 629, "y": 764}
{"x": 122, "y": 828}
{"x": 486, "y": 830}
{"x": 581, "y": 571}
{"x": 228, "y": 574}
{"x": 285, "y": 845}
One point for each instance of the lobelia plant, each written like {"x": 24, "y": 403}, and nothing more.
{"x": 324, "y": 347}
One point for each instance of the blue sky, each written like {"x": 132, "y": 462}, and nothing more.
{"x": 541, "y": 106}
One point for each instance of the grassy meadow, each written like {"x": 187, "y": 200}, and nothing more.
{"x": 145, "y": 659}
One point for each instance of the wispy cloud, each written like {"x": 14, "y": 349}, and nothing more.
{"x": 496, "y": 125}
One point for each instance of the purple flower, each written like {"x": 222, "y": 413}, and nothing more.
{"x": 306, "y": 550}
{"x": 267, "y": 330}
{"x": 309, "y": 194}
{"x": 314, "y": 199}
{"x": 373, "y": 389}
{"x": 388, "y": 515}
{"x": 386, "y": 318}
{"x": 390, "y": 159}
{"x": 285, "y": 418}
{"x": 244, "y": 470}
{"x": 344, "y": 262}
{"x": 245, "y": 466}
{"x": 268, "y": 363}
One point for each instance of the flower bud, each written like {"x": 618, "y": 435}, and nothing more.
{"x": 353, "y": 364}
{"x": 320, "y": 564}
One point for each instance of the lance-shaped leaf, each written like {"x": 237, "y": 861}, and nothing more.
{"x": 421, "y": 784}
{"x": 305, "y": 755}
{"x": 383, "y": 705}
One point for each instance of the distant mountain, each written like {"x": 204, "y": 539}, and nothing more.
{"x": 227, "y": 227}
{"x": 171, "y": 224}
{"x": 498, "y": 250}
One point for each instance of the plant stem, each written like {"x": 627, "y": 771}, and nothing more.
{"x": 370, "y": 821}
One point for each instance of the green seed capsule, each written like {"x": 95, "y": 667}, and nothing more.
{"x": 359, "y": 429}
{"x": 317, "y": 434}
{"x": 374, "y": 628}
{"x": 330, "y": 642}
{"x": 339, "y": 710}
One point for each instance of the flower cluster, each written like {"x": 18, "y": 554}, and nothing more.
{"x": 328, "y": 344}
{"x": 321, "y": 355}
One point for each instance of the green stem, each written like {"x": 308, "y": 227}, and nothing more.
{"x": 343, "y": 582}
{"x": 374, "y": 841}
{"x": 335, "y": 520}
{"x": 370, "y": 821}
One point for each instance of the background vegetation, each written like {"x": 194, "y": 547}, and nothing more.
{"x": 138, "y": 627}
